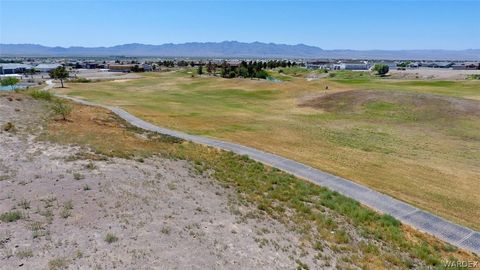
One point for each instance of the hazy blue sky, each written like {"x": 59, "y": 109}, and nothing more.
{"x": 327, "y": 24}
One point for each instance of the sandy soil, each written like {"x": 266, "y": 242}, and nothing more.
{"x": 159, "y": 213}
{"x": 432, "y": 73}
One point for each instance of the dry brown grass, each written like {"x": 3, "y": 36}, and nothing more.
{"x": 423, "y": 154}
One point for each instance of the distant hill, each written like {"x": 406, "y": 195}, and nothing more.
{"x": 234, "y": 49}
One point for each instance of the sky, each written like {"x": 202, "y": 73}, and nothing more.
{"x": 337, "y": 24}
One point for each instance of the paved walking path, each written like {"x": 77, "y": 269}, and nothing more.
{"x": 452, "y": 233}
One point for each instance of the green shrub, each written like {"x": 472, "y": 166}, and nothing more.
{"x": 11, "y": 216}
{"x": 110, "y": 238}
{"x": 62, "y": 109}
{"x": 58, "y": 263}
{"x": 40, "y": 94}
{"x": 381, "y": 69}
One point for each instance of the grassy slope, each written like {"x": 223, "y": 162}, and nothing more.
{"x": 322, "y": 217}
{"x": 422, "y": 157}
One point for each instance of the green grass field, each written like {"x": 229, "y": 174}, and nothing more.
{"x": 418, "y": 141}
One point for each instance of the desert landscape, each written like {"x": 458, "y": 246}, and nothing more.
{"x": 70, "y": 200}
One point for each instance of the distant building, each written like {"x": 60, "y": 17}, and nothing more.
{"x": 437, "y": 64}
{"x": 91, "y": 65}
{"x": 13, "y": 68}
{"x": 318, "y": 64}
{"x": 18, "y": 76}
{"x": 47, "y": 67}
{"x": 351, "y": 66}
{"x": 123, "y": 68}
{"x": 147, "y": 67}
{"x": 460, "y": 66}
{"x": 466, "y": 66}
{"x": 472, "y": 65}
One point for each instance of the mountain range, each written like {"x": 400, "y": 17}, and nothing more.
{"x": 235, "y": 49}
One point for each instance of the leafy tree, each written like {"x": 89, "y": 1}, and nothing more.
{"x": 60, "y": 73}
{"x": 381, "y": 69}
{"x": 232, "y": 74}
{"x": 200, "y": 70}
{"x": 262, "y": 74}
{"x": 209, "y": 67}
{"x": 243, "y": 72}
{"x": 10, "y": 81}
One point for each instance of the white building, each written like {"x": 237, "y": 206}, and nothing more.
{"x": 13, "y": 68}
{"x": 47, "y": 67}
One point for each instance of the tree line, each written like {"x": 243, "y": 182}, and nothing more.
{"x": 251, "y": 69}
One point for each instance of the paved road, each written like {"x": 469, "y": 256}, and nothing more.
{"x": 452, "y": 233}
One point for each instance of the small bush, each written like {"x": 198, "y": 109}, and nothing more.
{"x": 40, "y": 94}
{"x": 65, "y": 213}
{"x": 110, "y": 238}
{"x": 78, "y": 176}
{"x": 24, "y": 204}
{"x": 58, "y": 263}
{"x": 24, "y": 253}
{"x": 11, "y": 216}
{"x": 62, "y": 109}
{"x": 67, "y": 206}
{"x": 8, "y": 127}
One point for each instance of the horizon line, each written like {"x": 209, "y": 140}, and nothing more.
{"x": 225, "y": 41}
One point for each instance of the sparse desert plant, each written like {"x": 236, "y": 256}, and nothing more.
{"x": 78, "y": 176}
{"x": 24, "y": 253}
{"x": 78, "y": 254}
{"x": 11, "y": 216}
{"x": 37, "y": 228}
{"x": 25, "y": 204}
{"x": 8, "y": 126}
{"x": 68, "y": 205}
{"x": 86, "y": 187}
{"x": 90, "y": 166}
{"x": 166, "y": 230}
{"x": 110, "y": 238}
{"x": 66, "y": 210}
{"x": 62, "y": 109}
{"x": 48, "y": 214}
{"x": 58, "y": 263}
{"x": 65, "y": 213}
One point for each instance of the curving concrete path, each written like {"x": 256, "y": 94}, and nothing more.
{"x": 449, "y": 232}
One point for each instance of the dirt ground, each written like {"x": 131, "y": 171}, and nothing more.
{"x": 432, "y": 73}
{"x": 354, "y": 99}
{"x": 84, "y": 211}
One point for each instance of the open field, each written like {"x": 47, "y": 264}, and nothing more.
{"x": 141, "y": 200}
{"x": 433, "y": 73}
{"x": 416, "y": 140}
